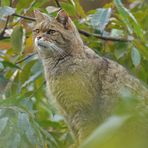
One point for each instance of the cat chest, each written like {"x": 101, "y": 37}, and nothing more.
{"x": 73, "y": 90}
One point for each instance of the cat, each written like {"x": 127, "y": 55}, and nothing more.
{"x": 86, "y": 86}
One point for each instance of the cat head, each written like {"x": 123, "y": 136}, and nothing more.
{"x": 55, "y": 37}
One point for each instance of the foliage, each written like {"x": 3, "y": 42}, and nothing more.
{"x": 27, "y": 117}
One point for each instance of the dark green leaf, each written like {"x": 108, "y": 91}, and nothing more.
{"x": 9, "y": 64}
{"x": 129, "y": 19}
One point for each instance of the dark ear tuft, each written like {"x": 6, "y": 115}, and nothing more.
{"x": 63, "y": 18}
{"x": 40, "y": 16}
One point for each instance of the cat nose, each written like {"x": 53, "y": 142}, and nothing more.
{"x": 38, "y": 37}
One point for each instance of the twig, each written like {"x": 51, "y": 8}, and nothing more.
{"x": 27, "y": 57}
{"x": 4, "y": 37}
{"x": 24, "y": 17}
{"x": 58, "y": 3}
{"x": 87, "y": 34}
{"x": 24, "y": 13}
{"x": 6, "y": 24}
{"x": 5, "y": 27}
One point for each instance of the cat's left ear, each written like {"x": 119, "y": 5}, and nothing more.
{"x": 40, "y": 16}
{"x": 63, "y": 18}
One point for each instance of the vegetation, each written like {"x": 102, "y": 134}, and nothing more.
{"x": 27, "y": 117}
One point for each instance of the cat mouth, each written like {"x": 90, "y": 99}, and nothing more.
{"x": 42, "y": 44}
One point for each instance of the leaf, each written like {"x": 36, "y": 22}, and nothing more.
{"x": 79, "y": 9}
{"x": 117, "y": 33}
{"x": 3, "y": 123}
{"x": 129, "y": 19}
{"x": 16, "y": 141}
{"x": 52, "y": 9}
{"x": 72, "y": 2}
{"x": 104, "y": 131}
{"x": 69, "y": 8}
{"x": 17, "y": 39}
{"x": 100, "y": 19}
{"x": 9, "y": 64}
{"x": 135, "y": 55}
{"x": 1, "y": 66}
{"x": 6, "y": 11}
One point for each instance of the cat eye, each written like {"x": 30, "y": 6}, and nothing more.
{"x": 36, "y": 30}
{"x": 50, "y": 31}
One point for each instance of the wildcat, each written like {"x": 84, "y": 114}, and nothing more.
{"x": 86, "y": 86}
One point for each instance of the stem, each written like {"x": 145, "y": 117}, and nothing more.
{"x": 87, "y": 34}
{"x": 58, "y": 3}
{"x": 24, "y": 17}
{"x": 27, "y": 57}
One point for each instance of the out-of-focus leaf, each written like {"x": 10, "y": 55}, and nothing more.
{"x": 69, "y": 8}
{"x": 17, "y": 39}
{"x": 3, "y": 123}
{"x": 80, "y": 9}
{"x": 72, "y": 2}
{"x": 1, "y": 66}
{"x": 32, "y": 78}
{"x": 136, "y": 57}
{"x": 16, "y": 141}
{"x": 120, "y": 50}
{"x": 104, "y": 131}
{"x": 26, "y": 71}
{"x": 100, "y": 19}
{"x": 129, "y": 19}
{"x": 3, "y": 83}
{"x": 117, "y": 33}
{"x": 6, "y": 11}
{"x": 51, "y": 9}
{"x": 9, "y": 64}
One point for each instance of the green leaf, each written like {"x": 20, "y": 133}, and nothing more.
{"x": 104, "y": 131}
{"x": 72, "y": 2}
{"x": 69, "y": 8}
{"x": 117, "y": 33}
{"x": 9, "y": 64}
{"x": 16, "y": 141}
{"x": 3, "y": 123}
{"x": 1, "y": 66}
{"x": 100, "y": 19}
{"x": 6, "y": 11}
{"x": 17, "y": 39}
{"x": 135, "y": 55}
{"x": 129, "y": 19}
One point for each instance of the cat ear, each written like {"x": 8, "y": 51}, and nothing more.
{"x": 40, "y": 16}
{"x": 63, "y": 18}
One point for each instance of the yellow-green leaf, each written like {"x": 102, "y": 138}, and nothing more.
{"x": 17, "y": 39}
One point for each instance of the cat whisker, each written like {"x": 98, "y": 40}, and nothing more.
{"x": 58, "y": 49}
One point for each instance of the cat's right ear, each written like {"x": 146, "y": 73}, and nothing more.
{"x": 40, "y": 16}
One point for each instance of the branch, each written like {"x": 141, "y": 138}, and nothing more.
{"x": 24, "y": 17}
{"x": 87, "y": 34}
{"x": 27, "y": 57}
{"x": 6, "y": 24}
{"x": 5, "y": 27}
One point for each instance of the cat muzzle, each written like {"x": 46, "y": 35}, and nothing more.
{"x": 39, "y": 42}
